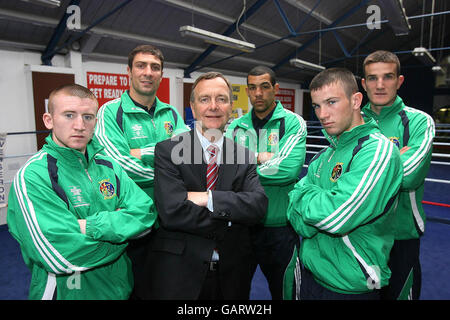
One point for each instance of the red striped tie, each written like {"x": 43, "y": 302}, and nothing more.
{"x": 213, "y": 168}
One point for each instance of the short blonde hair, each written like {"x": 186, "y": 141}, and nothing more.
{"x": 73, "y": 90}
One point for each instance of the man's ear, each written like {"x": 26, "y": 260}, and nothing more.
{"x": 357, "y": 100}
{"x": 193, "y": 110}
{"x": 363, "y": 83}
{"x": 48, "y": 120}
{"x": 277, "y": 87}
{"x": 129, "y": 71}
{"x": 401, "y": 78}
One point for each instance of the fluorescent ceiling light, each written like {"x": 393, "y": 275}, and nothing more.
{"x": 306, "y": 65}
{"x": 395, "y": 12}
{"x": 48, "y": 3}
{"x": 217, "y": 39}
{"x": 438, "y": 70}
{"x": 424, "y": 56}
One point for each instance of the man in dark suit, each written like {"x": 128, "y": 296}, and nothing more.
{"x": 206, "y": 199}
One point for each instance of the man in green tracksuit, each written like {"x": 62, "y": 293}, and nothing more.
{"x": 129, "y": 128}
{"x": 278, "y": 137}
{"x": 73, "y": 210}
{"x": 343, "y": 207}
{"x": 412, "y": 131}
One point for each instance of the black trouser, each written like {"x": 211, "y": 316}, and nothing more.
{"x": 311, "y": 290}
{"x": 406, "y": 278}
{"x": 136, "y": 251}
{"x": 211, "y": 286}
{"x": 273, "y": 248}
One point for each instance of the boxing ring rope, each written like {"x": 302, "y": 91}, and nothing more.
{"x": 438, "y": 158}
{"x": 442, "y": 133}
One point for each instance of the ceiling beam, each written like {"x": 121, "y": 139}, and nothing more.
{"x": 100, "y": 31}
{"x": 317, "y": 36}
{"x": 187, "y": 6}
{"x": 49, "y": 51}
{"x": 89, "y": 43}
{"x": 299, "y": 4}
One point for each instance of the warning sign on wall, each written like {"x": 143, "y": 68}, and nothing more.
{"x": 109, "y": 86}
{"x": 287, "y": 98}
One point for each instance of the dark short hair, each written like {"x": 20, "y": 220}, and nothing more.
{"x": 73, "y": 90}
{"x": 382, "y": 56}
{"x": 145, "y": 48}
{"x": 208, "y": 76}
{"x": 260, "y": 70}
{"x": 335, "y": 75}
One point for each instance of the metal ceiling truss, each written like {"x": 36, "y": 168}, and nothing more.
{"x": 225, "y": 19}
{"x": 284, "y": 17}
{"x": 254, "y": 8}
{"x": 51, "y": 49}
{"x": 290, "y": 35}
{"x": 364, "y": 41}
{"x": 317, "y": 36}
{"x": 48, "y": 53}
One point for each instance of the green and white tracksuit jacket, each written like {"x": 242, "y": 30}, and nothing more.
{"x": 122, "y": 126}
{"x": 406, "y": 126}
{"x": 53, "y": 190}
{"x": 343, "y": 208}
{"x": 285, "y": 136}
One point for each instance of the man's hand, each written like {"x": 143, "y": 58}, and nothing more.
{"x": 82, "y": 223}
{"x": 136, "y": 153}
{"x": 199, "y": 198}
{"x": 264, "y": 156}
{"x": 404, "y": 149}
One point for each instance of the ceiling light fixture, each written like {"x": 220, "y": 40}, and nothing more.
{"x": 48, "y": 3}
{"x": 424, "y": 56}
{"x": 438, "y": 70}
{"x": 218, "y": 39}
{"x": 306, "y": 65}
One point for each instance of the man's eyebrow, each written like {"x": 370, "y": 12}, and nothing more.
{"x": 384, "y": 74}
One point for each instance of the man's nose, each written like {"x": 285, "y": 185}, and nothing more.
{"x": 322, "y": 113}
{"x": 148, "y": 70}
{"x": 258, "y": 91}
{"x": 79, "y": 123}
{"x": 213, "y": 105}
{"x": 380, "y": 83}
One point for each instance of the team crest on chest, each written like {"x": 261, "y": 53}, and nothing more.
{"x": 273, "y": 139}
{"x": 169, "y": 127}
{"x": 395, "y": 141}
{"x": 337, "y": 171}
{"x": 107, "y": 189}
